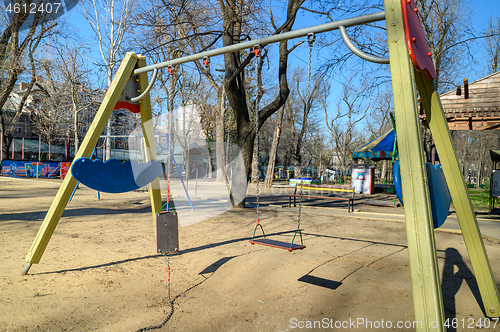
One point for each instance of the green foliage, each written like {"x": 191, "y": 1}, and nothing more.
{"x": 480, "y": 197}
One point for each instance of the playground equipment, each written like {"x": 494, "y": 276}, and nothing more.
{"x": 385, "y": 147}
{"x": 411, "y": 69}
{"x": 439, "y": 194}
{"x": 380, "y": 148}
{"x": 268, "y": 242}
{"x": 113, "y": 176}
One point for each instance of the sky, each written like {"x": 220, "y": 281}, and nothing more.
{"x": 481, "y": 11}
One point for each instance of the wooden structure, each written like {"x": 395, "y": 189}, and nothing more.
{"x": 473, "y": 106}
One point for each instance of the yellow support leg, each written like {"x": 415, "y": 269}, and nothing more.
{"x": 426, "y": 287}
{"x": 459, "y": 194}
{"x": 149, "y": 139}
{"x": 68, "y": 185}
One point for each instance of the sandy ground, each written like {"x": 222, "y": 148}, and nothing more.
{"x": 100, "y": 270}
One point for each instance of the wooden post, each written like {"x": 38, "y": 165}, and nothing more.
{"x": 149, "y": 139}
{"x": 69, "y": 183}
{"x": 459, "y": 194}
{"x": 426, "y": 288}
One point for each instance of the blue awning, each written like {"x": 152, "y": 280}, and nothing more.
{"x": 378, "y": 149}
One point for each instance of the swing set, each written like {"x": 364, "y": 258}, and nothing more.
{"x": 265, "y": 241}
{"x": 411, "y": 69}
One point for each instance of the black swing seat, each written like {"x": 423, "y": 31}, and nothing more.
{"x": 277, "y": 244}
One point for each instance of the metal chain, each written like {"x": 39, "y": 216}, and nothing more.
{"x": 310, "y": 40}
{"x": 256, "y": 107}
{"x": 170, "y": 111}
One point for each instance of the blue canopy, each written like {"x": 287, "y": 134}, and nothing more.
{"x": 378, "y": 149}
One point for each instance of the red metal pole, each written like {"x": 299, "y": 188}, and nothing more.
{"x": 39, "y": 146}
{"x": 49, "y": 149}
{"x": 1, "y": 145}
{"x": 13, "y": 145}
{"x": 66, "y": 149}
{"x": 22, "y": 153}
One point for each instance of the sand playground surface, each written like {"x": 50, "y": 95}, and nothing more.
{"x": 101, "y": 272}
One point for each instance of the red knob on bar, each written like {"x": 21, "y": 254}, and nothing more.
{"x": 256, "y": 50}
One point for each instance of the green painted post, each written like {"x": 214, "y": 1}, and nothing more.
{"x": 459, "y": 194}
{"x": 426, "y": 288}
{"x": 69, "y": 183}
{"x": 149, "y": 139}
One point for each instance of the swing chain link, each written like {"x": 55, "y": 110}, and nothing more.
{"x": 256, "y": 109}
{"x": 310, "y": 40}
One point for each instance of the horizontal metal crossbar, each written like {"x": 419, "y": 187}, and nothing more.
{"x": 369, "y": 18}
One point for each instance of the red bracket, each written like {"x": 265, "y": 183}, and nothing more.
{"x": 256, "y": 50}
{"x": 134, "y": 108}
{"x": 416, "y": 41}
{"x": 206, "y": 62}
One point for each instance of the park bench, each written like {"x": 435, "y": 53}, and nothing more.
{"x": 349, "y": 200}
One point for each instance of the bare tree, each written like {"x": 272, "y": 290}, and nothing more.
{"x": 492, "y": 42}
{"x": 307, "y": 101}
{"x": 380, "y": 122}
{"x": 67, "y": 88}
{"x": 446, "y": 24}
{"x": 350, "y": 111}
{"x": 274, "y": 147}
{"x": 239, "y": 18}
{"x": 183, "y": 25}
{"x": 109, "y": 19}
{"x": 16, "y": 47}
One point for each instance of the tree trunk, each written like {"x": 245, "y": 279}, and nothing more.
{"x": 75, "y": 126}
{"x": 274, "y": 149}
{"x": 240, "y": 183}
{"x": 219, "y": 135}
{"x": 383, "y": 173}
{"x": 479, "y": 172}
{"x": 235, "y": 85}
{"x": 255, "y": 163}
{"x": 209, "y": 170}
